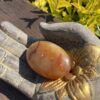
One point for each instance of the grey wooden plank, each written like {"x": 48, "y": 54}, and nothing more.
{"x": 19, "y": 12}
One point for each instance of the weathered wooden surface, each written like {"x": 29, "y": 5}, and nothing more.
{"x": 21, "y": 14}
{"x": 27, "y": 18}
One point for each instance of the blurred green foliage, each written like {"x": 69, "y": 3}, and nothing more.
{"x": 86, "y": 12}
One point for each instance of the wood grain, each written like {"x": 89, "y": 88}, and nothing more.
{"x": 23, "y": 15}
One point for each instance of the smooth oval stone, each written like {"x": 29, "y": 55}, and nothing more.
{"x": 48, "y": 59}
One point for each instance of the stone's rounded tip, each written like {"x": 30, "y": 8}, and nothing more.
{"x": 48, "y": 60}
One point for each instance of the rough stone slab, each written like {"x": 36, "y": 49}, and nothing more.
{"x": 14, "y": 32}
{"x": 11, "y": 45}
{"x": 16, "y": 80}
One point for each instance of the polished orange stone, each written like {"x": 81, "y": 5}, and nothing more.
{"x": 48, "y": 59}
